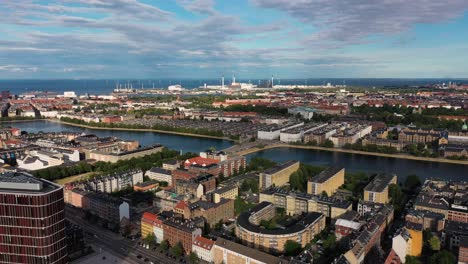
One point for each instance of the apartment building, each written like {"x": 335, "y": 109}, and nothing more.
{"x": 421, "y": 135}
{"x": 273, "y": 132}
{"x": 203, "y": 247}
{"x": 278, "y": 175}
{"x": 370, "y": 235}
{"x": 327, "y": 181}
{"x": 350, "y": 135}
{"x": 297, "y": 134}
{"x": 226, "y": 192}
{"x": 211, "y": 212}
{"x": 377, "y": 190}
{"x": 171, "y": 165}
{"x": 229, "y": 252}
{"x": 215, "y": 164}
{"x": 296, "y": 203}
{"x": 429, "y": 220}
{"x": 113, "y": 157}
{"x": 159, "y": 174}
{"x": 408, "y": 242}
{"x": 151, "y": 224}
{"x": 115, "y": 182}
{"x": 181, "y": 230}
{"x": 303, "y": 230}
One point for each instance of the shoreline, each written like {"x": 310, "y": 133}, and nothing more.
{"x": 20, "y": 121}
{"x": 350, "y": 151}
{"x": 256, "y": 149}
{"x": 139, "y": 130}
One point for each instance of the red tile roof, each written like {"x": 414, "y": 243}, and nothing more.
{"x": 149, "y": 217}
{"x": 181, "y": 205}
{"x": 203, "y": 242}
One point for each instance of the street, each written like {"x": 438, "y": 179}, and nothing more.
{"x": 106, "y": 240}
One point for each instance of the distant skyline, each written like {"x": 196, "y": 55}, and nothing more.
{"x": 148, "y": 39}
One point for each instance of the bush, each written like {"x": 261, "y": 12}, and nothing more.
{"x": 292, "y": 248}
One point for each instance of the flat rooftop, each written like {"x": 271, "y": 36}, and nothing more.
{"x": 22, "y": 182}
{"x": 296, "y": 226}
{"x": 326, "y": 174}
{"x": 225, "y": 189}
{"x": 248, "y": 251}
{"x": 280, "y": 167}
{"x": 380, "y": 182}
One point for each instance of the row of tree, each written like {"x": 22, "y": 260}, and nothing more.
{"x": 371, "y": 148}
{"x": 298, "y": 179}
{"x": 143, "y": 163}
{"x": 188, "y": 130}
{"x": 427, "y": 118}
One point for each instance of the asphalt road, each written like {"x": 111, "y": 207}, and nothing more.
{"x": 115, "y": 243}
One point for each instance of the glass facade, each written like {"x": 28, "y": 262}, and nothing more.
{"x": 32, "y": 227}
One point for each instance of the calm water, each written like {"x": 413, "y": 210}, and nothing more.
{"x": 186, "y": 144}
{"x": 369, "y": 164}
{"x": 352, "y": 162}
{"x": 106, "y": 86}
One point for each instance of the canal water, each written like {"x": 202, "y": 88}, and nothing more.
{"x": 176, "y": 142}
{"x": 369, "y": 164}
{"x": 352, "y": 162}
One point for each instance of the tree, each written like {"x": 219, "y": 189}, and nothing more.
{"x": 127, "y": 230}
{"x": 150, "y": 239}
{"x": 221, "y": 177}
{"x": 193, "y": 258}
{"x": 398, "y": 197}
{"x": 412, "y": 260}
{"x": 327, "y": 144}
{"x": 260, "y": 164}
{"x": 412, "y": 182}
{"x": 330, "y": 241}
{"x": 442, "y": 257}
{"x": 292, "y": 248}
{"x": 240, "y": 205}
{"x": 434, "y": 243}
{"x": 177, "y": 250}
{"x": 164, "y": 245}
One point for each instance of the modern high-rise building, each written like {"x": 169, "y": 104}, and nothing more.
{"x": 32, "y": 220}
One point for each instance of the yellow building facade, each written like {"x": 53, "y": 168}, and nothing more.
{"x": 228, "y": 252}
{"x": 278, "y": 175}
{"x": 273, "y": 240}
{"x": 327, "y": 181}
{"x": 298, "y": 203}
{"x": 227, "y": 192}
{"x": 416, "y": 243}
{"x": 377, "y": 190}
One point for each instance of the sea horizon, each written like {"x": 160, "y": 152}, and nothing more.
{"x": 106, "y": 86}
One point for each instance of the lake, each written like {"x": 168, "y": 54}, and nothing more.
{"x": 352, "y": 162}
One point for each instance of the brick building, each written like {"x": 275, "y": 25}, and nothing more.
{"x": 181, "y": 230}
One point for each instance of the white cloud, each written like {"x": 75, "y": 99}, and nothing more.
{"x": 351, "y": 21}
{"x": 18, "y": 68}
{"x": 129, "y": 37}
{"x": 205, "y": 7}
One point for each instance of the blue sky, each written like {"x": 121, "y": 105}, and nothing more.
{"x": 251, "y": 38}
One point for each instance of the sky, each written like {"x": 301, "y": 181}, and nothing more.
{"x": 148, "y": 39}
